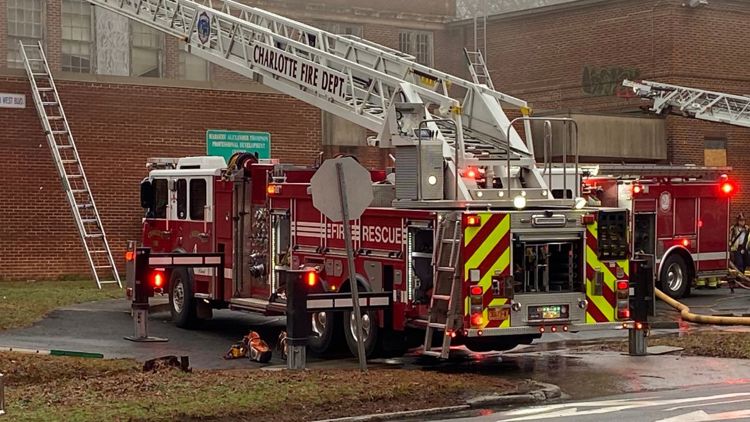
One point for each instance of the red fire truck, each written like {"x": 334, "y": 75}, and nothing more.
{"x": 679, "y": 215}
{"x": 464, "y": 235}
{"x": 522, "y": 272}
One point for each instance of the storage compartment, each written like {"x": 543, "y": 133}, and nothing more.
{"x": 547, "y": 267}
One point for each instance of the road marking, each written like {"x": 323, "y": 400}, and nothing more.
{"x": 701, "y": 416}
{"x": 672, "y": 409}
{"x": 606, "y": 406}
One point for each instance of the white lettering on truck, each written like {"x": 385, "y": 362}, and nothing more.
{"x": 376, "y": 234}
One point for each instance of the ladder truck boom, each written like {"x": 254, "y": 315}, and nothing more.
{"x": 405, "y": 103}
{"x": 697, "y": 103}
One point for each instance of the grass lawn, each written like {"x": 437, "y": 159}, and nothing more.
{"x": 24, "y": 302}
{"x": 60, "y": 388}
{"x": 719, "y": 344}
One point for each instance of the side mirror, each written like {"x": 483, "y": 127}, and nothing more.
{"x": 147, "y": 195}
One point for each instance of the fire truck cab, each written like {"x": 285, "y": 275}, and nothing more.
{"x": 679, "y": 216}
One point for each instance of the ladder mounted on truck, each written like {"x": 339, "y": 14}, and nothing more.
{"x": 478, "y": 68}
{"x": 69, "y": 166}
{"x": 406, "y": 104}
{"x": 692, "y": 102}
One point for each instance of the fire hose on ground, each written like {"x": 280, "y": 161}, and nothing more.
{"x": 707, "y": 319}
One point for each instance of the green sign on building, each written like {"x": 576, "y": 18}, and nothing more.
{"x": 224, "y": 143}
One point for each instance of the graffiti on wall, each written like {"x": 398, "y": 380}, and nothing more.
{"x": 607, "y": 81}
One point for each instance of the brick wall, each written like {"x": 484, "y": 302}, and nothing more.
{"x": 117, "y": 127}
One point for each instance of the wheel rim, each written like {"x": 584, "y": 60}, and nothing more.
{"x": 178, "y": 296}
{"x": 319, "y": 321}
{"x": 675, "y": 277}
{"x": 365, "y": 326}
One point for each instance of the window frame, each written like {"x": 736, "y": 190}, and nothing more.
{"x": 181, "y": 198}
{"x": 180, "y": 74}
{"x": 12, "y": 40}
{"x": 91, "y": 42}
{"x": 160, "y": 50}
{"x": 165, "y": 207}
{"x": 203, "y": 210}
{"x": 409, "y": 38}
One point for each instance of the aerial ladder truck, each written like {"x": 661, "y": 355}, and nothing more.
{"x": 465, "y": 237}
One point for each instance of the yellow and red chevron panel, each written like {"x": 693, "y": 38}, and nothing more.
{"x": 602, "y": 304}
{"x": 486, "y": 248}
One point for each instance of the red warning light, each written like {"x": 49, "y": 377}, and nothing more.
{"x": 471, "y": 173}
{"x": 158, "y": 280}
{"x": 477, "y": 319}
{"x": 129, "y": 256}
{"x": 685, "y": 243}
{"x": 727, "y": 188}
{"x": 472, "y": 220}
{"x": 476, "y": 290}
{"x": 622, "y": 285}
{"x": 311, "y": 278}
{"x": 637, "y": 189}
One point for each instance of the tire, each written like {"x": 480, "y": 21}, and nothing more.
{"x": 181, "y": 300}
{"x": 675, "y": 278}
{"x": 325, "y": 334}
{"x": 370, "y": 329}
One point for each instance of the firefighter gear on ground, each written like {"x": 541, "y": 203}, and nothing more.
{"x": 252, "y": 347}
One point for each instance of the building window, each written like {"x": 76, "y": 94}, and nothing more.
{"x": 339, "y": 28}
{"x": 77, "y": 36}
{"x": 715, "y": 152}
{"x": 191, "y": 67}
{"x": 25, "y": 24}
{"x": 417, "y": 44}
{"x": 146, "y": 51}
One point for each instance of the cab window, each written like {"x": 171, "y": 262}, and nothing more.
{"x": 161, "y": 198}
{"x": 181, "y": 199}
{"x": 197, "y": 199}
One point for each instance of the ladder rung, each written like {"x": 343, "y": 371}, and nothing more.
{"x": 49, "y": 103}
{"x": 45, "y": 89}
{"x": 74, "y": 176}
{"x": 59, "y": 132}
{"x": 97, "y": 251}
{"x": 82, "y": 206}
{"x": 432, "y": 354}
{"x": 451, "y": 240}
{"x": 89, "y": 221}
{"x": 90, "y": 236}
{"x": 436, "y": 325}
{"x": 109, "y": 282}
{"x": 54, "y": 118}
{"x": 69, "y": 161}
{"x": 79, "y": 191}
{"x": 446, "y": 269}
{"x": 441, "y": 297}
{"x": 64, "y": 146}
{"x": 101, "y": 267}
{"x": 40, "y": 73}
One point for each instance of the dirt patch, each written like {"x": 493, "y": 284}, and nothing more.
{"x": 24, "y": 302}
{"x": 58, "y": 388}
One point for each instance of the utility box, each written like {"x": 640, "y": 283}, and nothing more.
{"x": 419, "y": 176}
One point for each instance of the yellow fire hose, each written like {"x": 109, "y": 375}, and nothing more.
{"x": 705, "y": 319}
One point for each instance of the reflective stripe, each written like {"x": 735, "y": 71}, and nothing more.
{"x": 213, "y": 260}
{"x": 710, "y": 256}
{"x": 160, "y": 261}
{"x": 179, "y": 260}
{"x": 319, "y": 303}
{"x": 379, "y": 301}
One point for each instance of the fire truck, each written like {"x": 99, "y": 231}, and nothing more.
{"x": 463, "y": 232}
{"x": 679, "y": 216}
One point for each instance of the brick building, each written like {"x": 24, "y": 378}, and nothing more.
{"x": 130, "y": 93}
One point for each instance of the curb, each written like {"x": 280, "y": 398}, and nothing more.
{"x": 544, "y": 392}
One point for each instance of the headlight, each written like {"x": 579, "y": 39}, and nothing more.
{"x": 519, "y": 202}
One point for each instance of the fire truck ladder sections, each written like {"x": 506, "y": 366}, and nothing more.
{"x": 69, "y": 166}
{"x": 444, "y": 309}
{"x": 478, "y": 68}
{"x": 381, "y": 89}
{"x": 696, "y": 103}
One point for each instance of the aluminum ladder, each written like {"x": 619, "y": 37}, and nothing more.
{"x": 696, "y": 103}
{"x": 68, "y": 164}
{"x": 444, "y": 307}
{"x": 478, "y": 68}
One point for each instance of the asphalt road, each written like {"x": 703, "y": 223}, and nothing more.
{"x": 722, "y": 402}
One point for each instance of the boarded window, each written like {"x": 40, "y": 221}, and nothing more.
{"x": 715, "y": 152}
{"x": 197, "y": 199}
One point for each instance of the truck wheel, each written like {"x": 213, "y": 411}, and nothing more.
{"x": 370, "y": 331}
{"x": 675, "y": 278}
{"x": 325, "y": 333}
{"x": 181, "y": 299}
